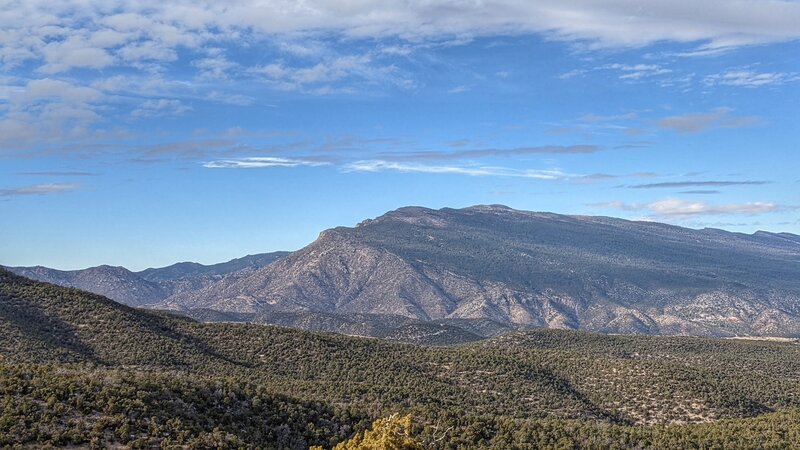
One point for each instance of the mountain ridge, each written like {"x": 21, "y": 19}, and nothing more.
{"x": 150, "y": 285}
{"x": 491, "y": 262}
{"x": 531, "y": 268}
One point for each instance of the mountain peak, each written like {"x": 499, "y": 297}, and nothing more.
{"x": 437, "y": 218}
{"x": 490, "y": 208}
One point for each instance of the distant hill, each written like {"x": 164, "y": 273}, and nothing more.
{"x": 525, "y": 268}
{"x": 149, "y": 285}
{"x": 193, "y": 270}
{"x": 117, "y": 283}
{"x": 73, "y": 365}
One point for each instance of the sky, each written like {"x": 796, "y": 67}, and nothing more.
{"x": 143, "y": 133}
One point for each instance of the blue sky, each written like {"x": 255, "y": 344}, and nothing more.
{"x": 146, "y": 133}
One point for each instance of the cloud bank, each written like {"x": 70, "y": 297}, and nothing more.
{"x": 95, "y": 34}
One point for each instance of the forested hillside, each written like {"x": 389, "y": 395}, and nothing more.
{"x": 73, "y": 361}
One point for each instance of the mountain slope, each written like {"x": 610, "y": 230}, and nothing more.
{"x": 396, "y": 328}
{"x": 193, "y": 270}
{"x": 108, "y": 358}
{"x": 46, "y": 323}
{"x": 71, "y": 407}
{"x": 150, "y": 285}
{"x": 535, "y": 269}
{"x": 117, "y": 283}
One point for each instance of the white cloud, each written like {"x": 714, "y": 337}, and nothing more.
{"x": 107, "y": 38}
{"x": 146, "y": 51}
{"x": 572, "y": 74}
{"x": 47, "y": 110}
{"x": 38, "y": 189}
{"x": 458, "y": 89}
{"x": 676, "y": 207}
{"x": 334, "y": 68}
{"x": 751, "y": 79}
{"x": 58, "y": 89}
{"x": 697, "y": 122}
{"x": 75, "y": 52}
{"x": 160, "y": 107}
{"x": 671, "y": 207}
{"x": 637, "y": 71}
{"x": 93, "y": 33}
{"x": 230, "y": 99}
{"x": 214, "y": 66}
{"x": 258, "y": 162}
{"x": 139, "y": 85}
{"x": 381, "y": 166}
{"x": 373, "y": 166}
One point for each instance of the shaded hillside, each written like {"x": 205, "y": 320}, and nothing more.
{"x": 45, "y": 323}
{"x": 68, "y": 406}
{"x": 556, "y": 374}
{"x": 547, "y": 384}
{"x": 397, "y": 328}
{"x": 149, "y": 285}
{"x": 534, "y": 269}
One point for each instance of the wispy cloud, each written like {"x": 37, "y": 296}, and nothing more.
{"x": 597, "y": 118}
{"x": 160, "y": 108}
{"x": 215, "y": 66}
{"x": 319, "y": 77}
{"x": 676, "y": 207}
{"x": 257, "y": 162}
{"x": 672, "y": 207}
{"x": 463, "y": 162}
{"x": 700, "y": 192}
{"x": 231, "y": 99}
{"x": 597, "y": 176}
{"x": 192, "y": 148}
{"x": 593, "y": 125}
{"x": 59, "y": 174}
{"x": 382, "y": 166}
{"x": 750, "y": 78}
{"x": 491, "y": 152}
{"x": 698, "y": 122}
{"x": 682, "y": 184}
{"x": 38, "y": 189}
{"x": 458, "y": 89}
{"x": 634, "y": 72}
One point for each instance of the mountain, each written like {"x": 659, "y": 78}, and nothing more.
{"x": 78, "y": 369}
{"x": 117, "y": 283}
{"x": 531, "y": 269}
{"x": 150, "y": 285}
{"x": 194, "y": 270}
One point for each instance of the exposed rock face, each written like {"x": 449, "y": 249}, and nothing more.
{"x": 150, "y": 285}
{"x": 532, "y": 269}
